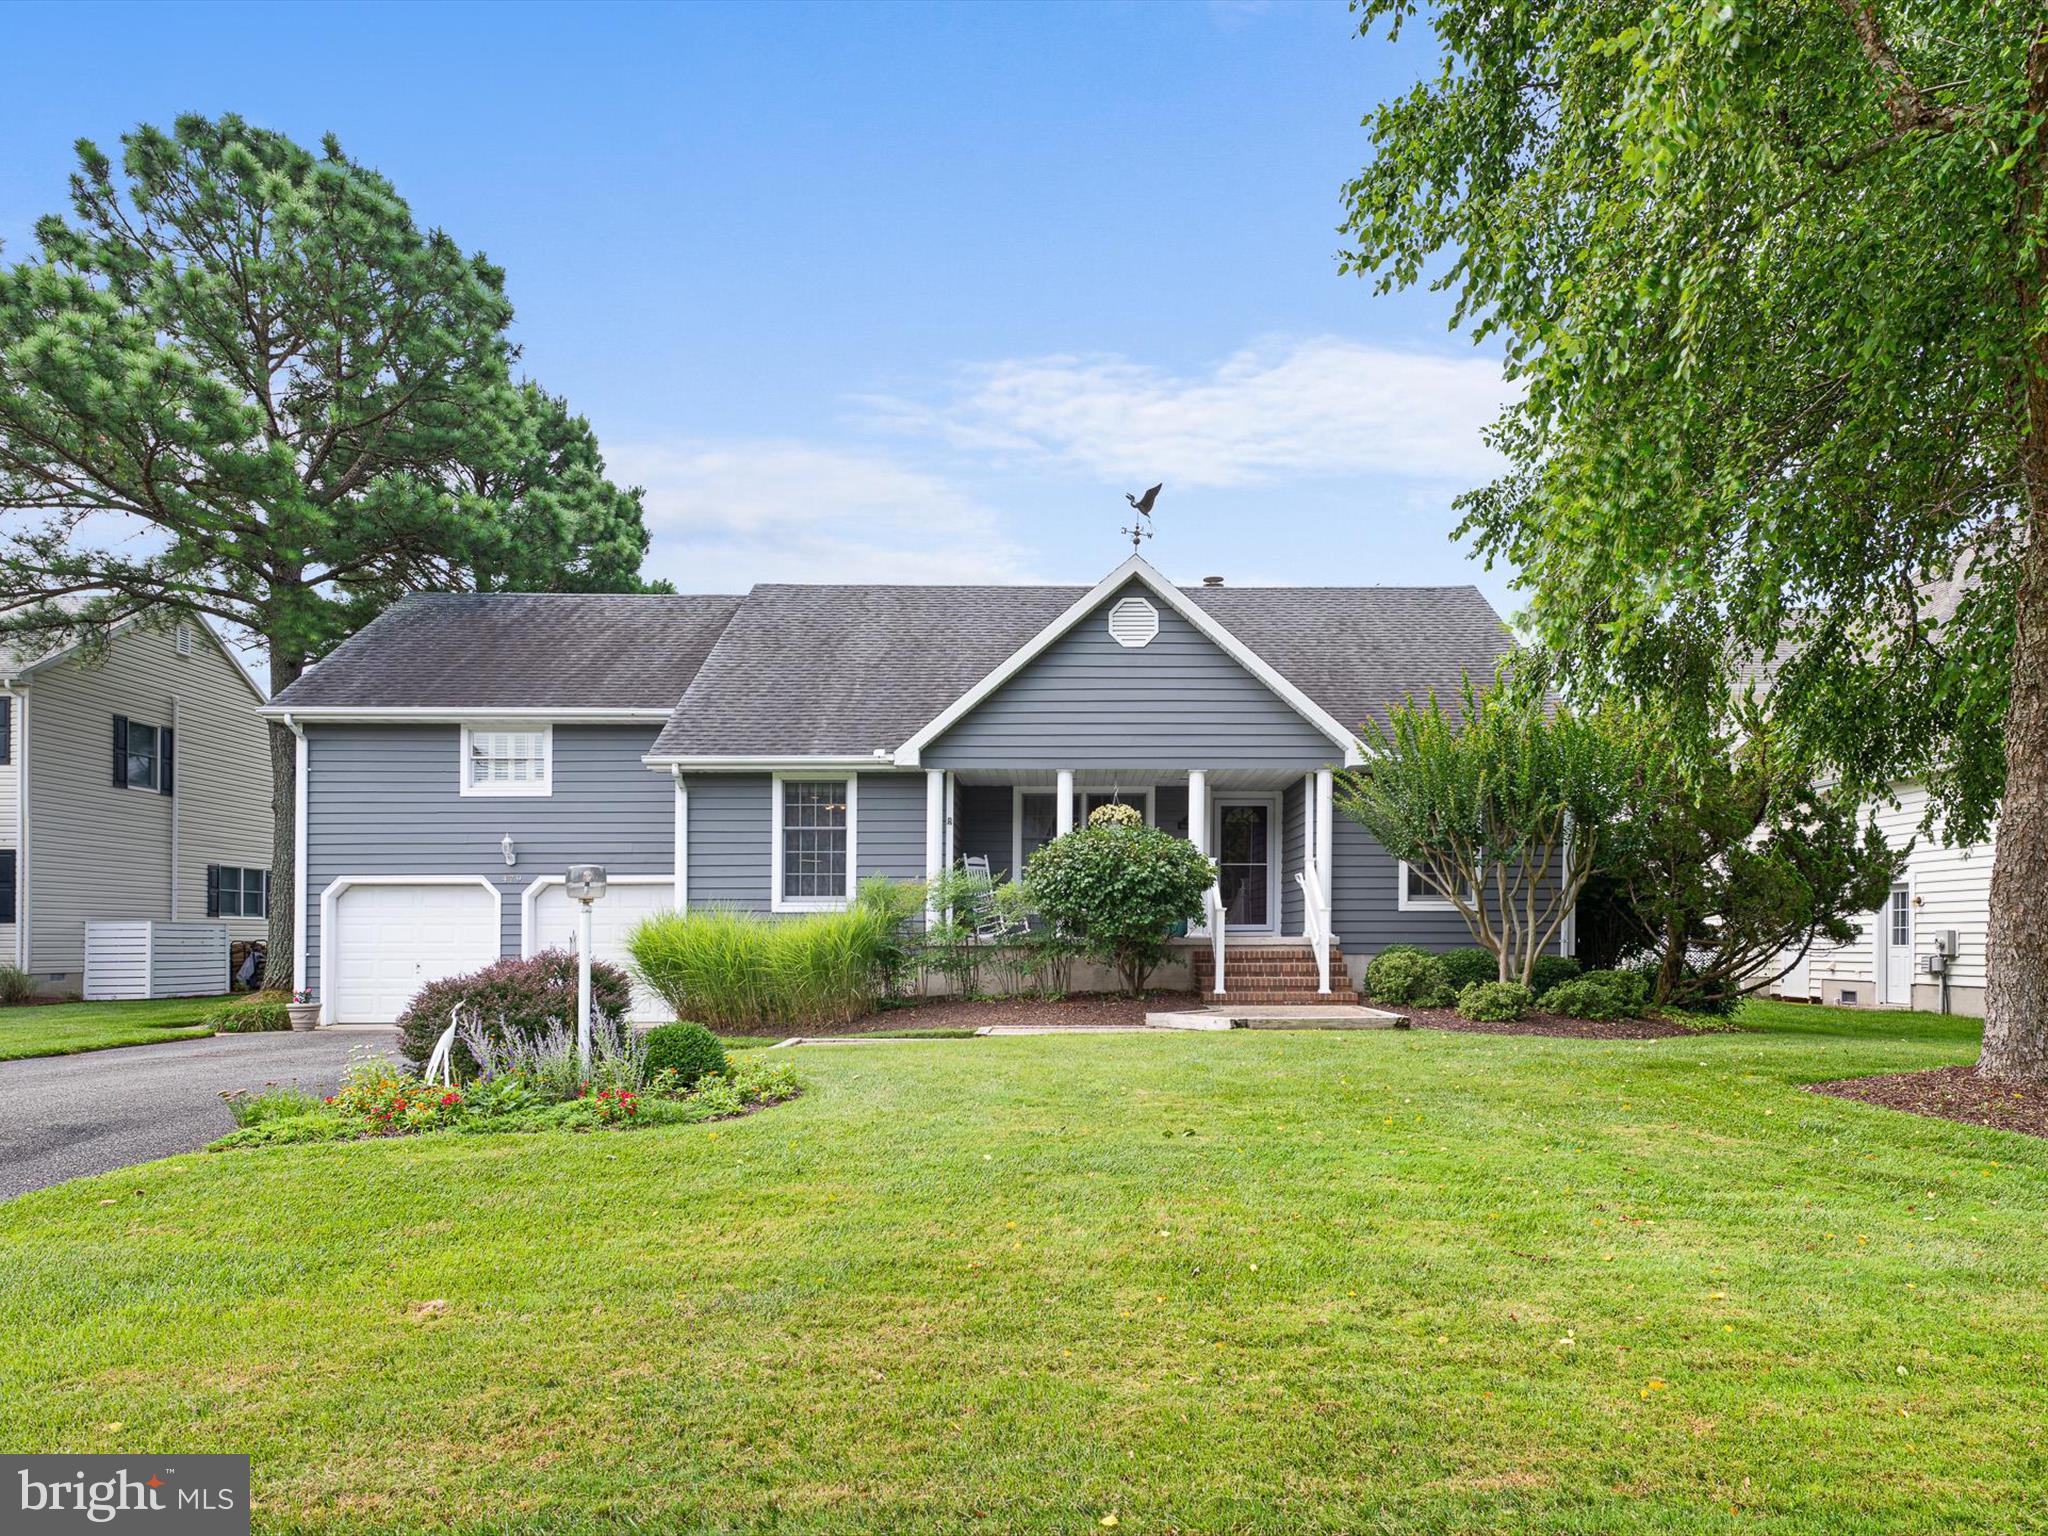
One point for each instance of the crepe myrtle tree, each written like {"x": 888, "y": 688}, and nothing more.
{"x": 239, "y": 383}
{"x": 1120, "y": 887}
{"x": 1501, "y": 805}
{"x": 1772, "y": 285}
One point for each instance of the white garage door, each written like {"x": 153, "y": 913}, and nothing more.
{"x": 612, "y": 917}
{"x": 391, "y": 940}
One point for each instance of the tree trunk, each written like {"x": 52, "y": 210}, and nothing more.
{"x": 284, "y": 841}
{"x": 2016, "y": 990}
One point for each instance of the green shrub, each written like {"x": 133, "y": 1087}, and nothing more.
{"x": 1401, "y": 973}
{"x": 521, "y": 999}
{"x": 1494, "y": 1002}
{"x": 1120, "y": 890}
{"x": 1599, "y": 995}
{"x": 741, "y": 971}
{"x": 257, "y": 1013}
{"x": 1552, "y": 971}
{"x": 1468, "y": 964}
{"x": 16, "y": 985}
{"x": 293, "y": 1130}
{"x": 689, "y": 1050}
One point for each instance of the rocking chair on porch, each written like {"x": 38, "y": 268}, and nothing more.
{"x": 989, "y": 923}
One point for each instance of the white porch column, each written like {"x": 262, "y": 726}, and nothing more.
{"x": 1063, "y": 806}
{"x": 934, "y": 833}
{"x": 682, "y": 843}
{"x": 952, "y": 819}
{"x": 1326, "y": 838}
{"x": 1198, "y": 809}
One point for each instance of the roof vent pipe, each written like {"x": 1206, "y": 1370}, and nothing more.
{"x": 1212, "y": 581}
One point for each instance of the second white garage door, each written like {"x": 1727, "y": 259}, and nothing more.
{"x": 391, "y": 940}
{"x": 612, "y": 918}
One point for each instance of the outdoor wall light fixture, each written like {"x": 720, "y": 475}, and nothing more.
{"x": 511, "y": 849}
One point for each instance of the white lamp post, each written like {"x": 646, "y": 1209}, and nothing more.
{"x": 585, "y": 885}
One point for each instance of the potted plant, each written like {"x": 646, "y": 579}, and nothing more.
{"x": 304, "y": 1011}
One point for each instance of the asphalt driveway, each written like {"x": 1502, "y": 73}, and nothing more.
{"x": 62, "y": 1117}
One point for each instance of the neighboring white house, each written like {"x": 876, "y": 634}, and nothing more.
{"x": 1940, "y": 891}
{"x": 134, "y": 785}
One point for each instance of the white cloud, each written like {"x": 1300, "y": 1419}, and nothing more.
{"x": 726, "y": 515}
{"x": 1318, "y": 408}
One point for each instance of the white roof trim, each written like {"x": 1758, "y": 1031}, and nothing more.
{"x": 438, "y": 713}
{"x": 1136, "y": 568}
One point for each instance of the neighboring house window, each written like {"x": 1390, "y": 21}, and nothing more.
{"x": 233, "y": 891}
{"x": 142, "y": 755}
{"x": 507, "y": 759}
{"x": 814, "y": 842}
{"x": 1418, "y": 895}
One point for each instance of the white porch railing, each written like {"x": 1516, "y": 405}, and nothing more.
{"x": 1212, "y": 911}
{"x": 1316, "y": 920}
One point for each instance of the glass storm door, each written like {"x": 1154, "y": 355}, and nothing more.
{"x": 1244, "y": 857}
{"x": 1898, "y": 946}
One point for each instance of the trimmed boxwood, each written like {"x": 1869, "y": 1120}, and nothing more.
{"x": 1552, "y": 971}
{"x": 1599, "y": 995}
{"x": 513, "y": 997}
{"x": 1494, "y": 1002}
{"x": 1401, "y": 973}
{"x": 689, "y": 1050}
{"x": 1469, "y": 963}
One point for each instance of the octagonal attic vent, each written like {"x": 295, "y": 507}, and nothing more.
{"x": 1133, "y": 623}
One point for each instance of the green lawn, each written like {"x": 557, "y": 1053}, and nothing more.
{"x": 59, "y": 1029}
{"x": 1264, "y": 1282}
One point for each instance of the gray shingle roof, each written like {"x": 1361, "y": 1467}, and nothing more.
{"x": 843, "y": 670}
{"x": 519, "y": 650}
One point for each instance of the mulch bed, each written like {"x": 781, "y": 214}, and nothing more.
{"x": 1552, "y": 1024}
{"x": 1096, "y": 1008}
{"x": 1950, "y": 1093}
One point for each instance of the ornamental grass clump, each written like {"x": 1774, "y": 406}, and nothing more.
{"x": 742, "y": 971}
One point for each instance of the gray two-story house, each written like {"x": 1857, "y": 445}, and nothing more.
{"x": 134, "y": 790}
{"x": 769, "y": 751}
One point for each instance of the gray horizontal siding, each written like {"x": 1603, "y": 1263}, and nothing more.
{"x": 1293, "y": 827}
{"x": 383, "y": 800}
{"x": 731, "y": 826}
{"x": 1087, "y": 702}
{"x": 1365, "y": 899}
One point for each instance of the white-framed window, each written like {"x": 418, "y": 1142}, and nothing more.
{"x": 1418, "y": 895}
{"x": 236, "y": 891}
{"x": 508, "y": 760}
{"x": 816, "y": 827}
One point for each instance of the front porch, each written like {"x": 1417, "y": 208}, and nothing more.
{"x": 1267, "y": 937}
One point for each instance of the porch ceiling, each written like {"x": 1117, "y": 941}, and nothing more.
{"x": 1132, "y": 778}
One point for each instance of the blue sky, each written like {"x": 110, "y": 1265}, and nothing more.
{"x": 883, "y": 292}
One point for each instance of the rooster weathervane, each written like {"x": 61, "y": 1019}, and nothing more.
{"x": 1141, "y": 524}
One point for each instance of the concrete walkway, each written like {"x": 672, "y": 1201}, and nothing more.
{"x": 62, "y": 1117}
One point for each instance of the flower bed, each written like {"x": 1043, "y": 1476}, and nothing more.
{"x": 539, "y": 1086}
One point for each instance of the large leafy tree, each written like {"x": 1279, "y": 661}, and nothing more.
{"x": 1504, "y": 804}
{"x": 239, "y": 382}
{"x": 1774, "y": 279}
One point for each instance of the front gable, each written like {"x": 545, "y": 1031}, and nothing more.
{"x": 1132, "y": 682}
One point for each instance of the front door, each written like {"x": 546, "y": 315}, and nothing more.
{"x": 1246, "y": 840}
{"x": 1897, "y": 932}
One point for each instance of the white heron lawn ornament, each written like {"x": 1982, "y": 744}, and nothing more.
{"x": 585, "y": 885}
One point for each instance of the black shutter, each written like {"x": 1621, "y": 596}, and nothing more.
{"x": 6, "y": 729}
{"x": 120, "y": 751}
{"x": 213, "y": 890}
{"x": 163, "y": 762}
{"x": 6, "y": 885}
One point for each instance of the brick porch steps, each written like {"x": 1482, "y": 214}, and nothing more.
{"x": 1273, "y": 975}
